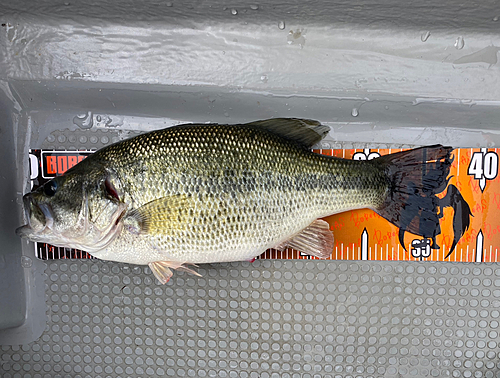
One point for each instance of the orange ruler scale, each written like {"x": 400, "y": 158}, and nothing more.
{"x": 363, "y": 234}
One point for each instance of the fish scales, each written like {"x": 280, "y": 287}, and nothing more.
{"x": 246, "y": 188}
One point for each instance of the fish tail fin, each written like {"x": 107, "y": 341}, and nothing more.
{"x": 415, "y": 177}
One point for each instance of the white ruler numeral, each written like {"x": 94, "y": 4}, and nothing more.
{"x": 365, "y": 155}
{"x": 483, "y": 166}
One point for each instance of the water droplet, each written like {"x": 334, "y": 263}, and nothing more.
{"x": 386, "y": 107}
{"x": 254, "y": 7}
{"x": 85, "y": 121}
{"x": 26, "y": 262}
{"x": 354, "y": 112}
{"x": 495, "y": 18}
{"x": 296, "y": 38}
{"x": 281, "y": 25}
{"x": 234, "y": 12}
{"x": 66, "y": 3}
{"x": 169, "y": 4}
{"x": 226, "y": 114}
{"x": 264, "y": 78}
{"x": 459, "y": 43}
{"x": 425, "y": 36}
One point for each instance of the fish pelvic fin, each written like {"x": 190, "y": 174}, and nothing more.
{"x": 162, "y": 270}
{"x": 315, "y": 240}
{"x": 415, "y": 177}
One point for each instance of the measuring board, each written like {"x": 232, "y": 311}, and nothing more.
{"x": 363, "y": 234}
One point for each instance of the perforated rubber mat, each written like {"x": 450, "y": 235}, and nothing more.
{"x": 271, "y": 318}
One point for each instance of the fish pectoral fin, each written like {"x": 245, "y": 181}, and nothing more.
{"x": 306, "y": 132}
{"x": 157, "y": 216}
{"x": 315, "y": 240}
{"x": 161, "y": 269}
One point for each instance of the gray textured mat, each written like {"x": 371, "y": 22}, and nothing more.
{"x": 267, "y": 319}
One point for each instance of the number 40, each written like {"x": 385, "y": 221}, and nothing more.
{"x": 484, "y": 165}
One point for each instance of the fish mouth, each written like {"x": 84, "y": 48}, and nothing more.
{"x": 24, "y": 231}
{"x": 40, "y": 218}
{"x": 83, "y": 234}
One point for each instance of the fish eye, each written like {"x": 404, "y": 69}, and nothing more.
{"x": 50, "y": 188}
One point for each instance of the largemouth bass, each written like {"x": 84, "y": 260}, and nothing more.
{"x": 204, "y": 193}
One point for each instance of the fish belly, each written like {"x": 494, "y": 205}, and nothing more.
{"x": 229, "y": 227}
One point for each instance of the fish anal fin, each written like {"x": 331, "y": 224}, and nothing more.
{"x": 162, "y": 270}
{"x": 315, "y": 240}
{"x": 306, "y": 132}
{"x": 157, "y": 216}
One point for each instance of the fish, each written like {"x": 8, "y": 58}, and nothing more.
{"x": 208, "y": 193}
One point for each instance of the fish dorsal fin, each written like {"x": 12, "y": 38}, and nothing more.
{"x": 315, "y": 240}
{"x": 306, "y": 132}
{"x": 157, "y": 216}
